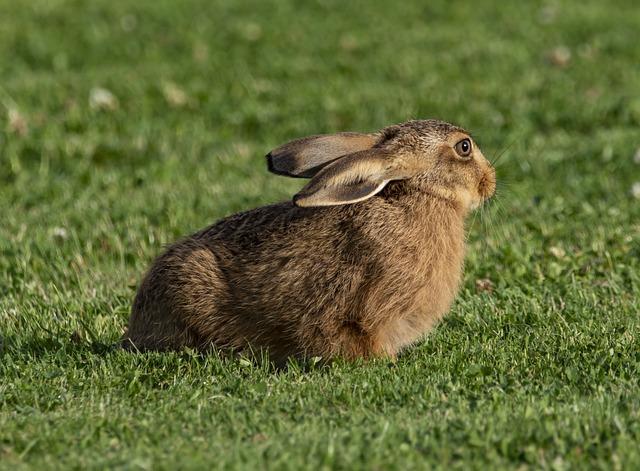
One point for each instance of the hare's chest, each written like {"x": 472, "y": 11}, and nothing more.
{"x": 432, "y": 291}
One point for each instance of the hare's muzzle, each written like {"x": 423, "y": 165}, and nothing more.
{"x": 487, "y": 184}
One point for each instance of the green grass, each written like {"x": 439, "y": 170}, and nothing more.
{"x": 541, "y": 373}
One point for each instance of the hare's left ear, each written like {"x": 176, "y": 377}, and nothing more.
{"x": 304, "y": 157}
{"x": 352, "y": 178}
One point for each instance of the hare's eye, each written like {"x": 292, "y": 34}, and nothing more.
{"x": 463, "y": 148}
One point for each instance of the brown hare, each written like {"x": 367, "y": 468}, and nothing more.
{"x": 363, "y": 262}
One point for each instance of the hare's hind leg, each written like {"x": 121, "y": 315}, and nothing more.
{"x": 178, "y": 302}
{"x": 153, "y": 327}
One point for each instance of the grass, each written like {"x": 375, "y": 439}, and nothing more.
{"x": 542, "y": 372}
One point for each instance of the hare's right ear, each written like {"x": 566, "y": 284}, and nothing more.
{"x": 303, "y": 158}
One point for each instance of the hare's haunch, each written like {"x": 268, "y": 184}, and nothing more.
{"x": 363, "y": 262}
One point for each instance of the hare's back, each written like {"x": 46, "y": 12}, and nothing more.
{"x": 281, "y": 258}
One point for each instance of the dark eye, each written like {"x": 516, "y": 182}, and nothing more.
{"x": 463, "y": 148}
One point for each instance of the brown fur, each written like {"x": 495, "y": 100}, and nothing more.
{"x": 333, "y": 279}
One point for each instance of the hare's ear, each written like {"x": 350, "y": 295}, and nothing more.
{"x": 304, "y": 157}
{"x": 352, "y": 178}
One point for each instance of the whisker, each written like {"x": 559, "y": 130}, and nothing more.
{"x": 495, "y": 159}
{"x": 502, "y": 185}
{"x": 495, "y": 209}
{"x": 473, "y": 221}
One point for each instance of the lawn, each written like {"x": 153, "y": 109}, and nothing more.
{"x": 125, "y": 125}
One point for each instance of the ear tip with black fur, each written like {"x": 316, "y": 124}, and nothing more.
{"x": 269, "y": 158}
{"x": 284, "y": 163}
{"x": 274, "y": 164}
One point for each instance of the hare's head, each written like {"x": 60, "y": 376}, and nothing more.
{"x": 430, "y": 156}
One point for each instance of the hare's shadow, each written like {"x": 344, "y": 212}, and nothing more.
{"x": 38, "y": 347}
{"x": 45, "y": 346}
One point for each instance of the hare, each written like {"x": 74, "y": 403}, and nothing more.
{"x": 362, "y": 263}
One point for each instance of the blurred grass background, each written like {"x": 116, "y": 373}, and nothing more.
{"x": 124, "y": 125}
